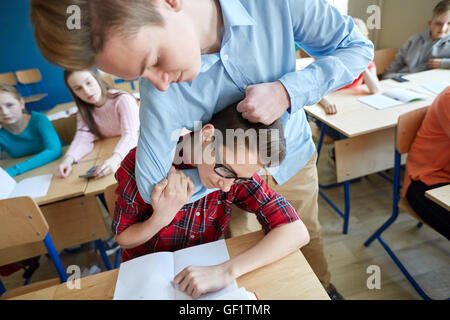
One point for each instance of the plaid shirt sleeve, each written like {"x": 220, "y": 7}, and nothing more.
{"x": 130, "y": 207}
{"x": 271, "y": 209}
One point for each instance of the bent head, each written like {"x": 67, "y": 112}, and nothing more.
{"x": 231, "y": 149}
{"x": 153, "y": 39}
{"x": 11, "y": 105}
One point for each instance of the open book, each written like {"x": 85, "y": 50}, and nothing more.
{"x": 150, "y": 277}
{"x": 391, "y": 98}
{"x": 34, "y": 187}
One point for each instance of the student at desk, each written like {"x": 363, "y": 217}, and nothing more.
{"x": 25, "y": 134}
{"x": 170, "y": 224}
{"x": 102, "y": 112}
{"x": 426, "y": 50}
{"x": 428, "y": 164}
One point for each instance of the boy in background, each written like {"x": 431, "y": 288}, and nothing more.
{"x": 426, "y": 50}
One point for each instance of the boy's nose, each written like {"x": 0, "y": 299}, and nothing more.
{"x": 159, "y": 79}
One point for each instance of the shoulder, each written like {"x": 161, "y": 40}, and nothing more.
{"x": 39, "y": 118}
{"x": 441, "y": 104}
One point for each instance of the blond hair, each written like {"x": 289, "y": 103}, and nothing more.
{"x": 77, "y": 49}
{"x": 11, "y": 90}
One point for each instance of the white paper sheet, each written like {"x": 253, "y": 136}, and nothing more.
{"x": 151, "y": 276}
{"x": 146, "y": 278}
{"x": 34, "y": 187}
{"x": 7, "y": 184}
{"x": 436, "y": 87}
{"x": 379, "y": 101}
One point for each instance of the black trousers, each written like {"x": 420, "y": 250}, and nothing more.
{"x": 432, "y": 213}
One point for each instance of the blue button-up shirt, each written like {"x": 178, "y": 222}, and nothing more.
{"x": 258, "y": 46}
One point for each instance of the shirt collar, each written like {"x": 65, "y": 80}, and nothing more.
{"x": 234, "y": 14}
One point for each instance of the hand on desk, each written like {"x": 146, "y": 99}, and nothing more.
{"x": 434, "y": 63}
{"x": 330, "y": 108}
{"x": 264, "y": 102}
{"x": 109, "y": 166}
{"x": 197, "y": 280}
{"x": 65, "y": 168}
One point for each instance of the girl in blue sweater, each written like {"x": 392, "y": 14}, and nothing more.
{"x": 25, "y": 134}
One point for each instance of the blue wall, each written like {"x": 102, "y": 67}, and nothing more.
{"x": 19, "y": 50}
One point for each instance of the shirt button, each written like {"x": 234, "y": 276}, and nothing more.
{"x": 225, "y": 57}
{"x": 192, "y": 236}
{"x": 197, "y": 213}
{"x": 219, "y": 202}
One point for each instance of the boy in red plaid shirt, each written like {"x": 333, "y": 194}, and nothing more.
{"x": 171, "y": 223}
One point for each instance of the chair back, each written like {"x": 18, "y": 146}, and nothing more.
{"x": 29, "y": 76}
{"x": 125, "y": 86}
{"x": 383, "y": 58}
{"x": 8, "y": 78}
{"x": 407, "y": 126}
{"x": 21, "y": 222}
{"x": 65, "y": 128}
{"x": 110, "y": 198}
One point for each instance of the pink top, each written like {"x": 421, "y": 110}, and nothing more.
{"x": 429, "y": 156}
{"x": 117, "y": 117}
{"x": 360, "y": 80}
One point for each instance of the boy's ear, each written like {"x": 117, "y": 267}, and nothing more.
{"x": 429, "y": 23}
{"x": 207, "y": 133}
{"x": 174, "y": 4}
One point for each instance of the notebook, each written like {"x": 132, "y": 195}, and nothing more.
{"x": 436, "y": 87}
{"x": 391, "y": 98}
{"x": 34, "y": 187}
{"x": 150, "y": 277}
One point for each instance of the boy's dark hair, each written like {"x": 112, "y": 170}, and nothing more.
{"x": 441, "y": 8}
{"x": 269, "y": 139}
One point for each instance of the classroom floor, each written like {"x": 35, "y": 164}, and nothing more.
{"x": 425, "y": 253}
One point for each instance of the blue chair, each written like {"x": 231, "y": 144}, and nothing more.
{"x": 22, "y": 223}
{"x": 407, "y": 127}
{"x": 33, "y": 90}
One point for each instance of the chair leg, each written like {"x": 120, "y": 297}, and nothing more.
{"x": 2, "y": 288}
{"x": 116, "y": 260}
{"x": 403, "y": 270}
{"x": 101, "y": 248}
{"x": 55, "y": 258}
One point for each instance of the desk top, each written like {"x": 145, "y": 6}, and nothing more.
{"x": 290, "y": 278}
{"x": 60, "y": 189}
{"x": 106, "y": 148}
{"x": 355, "y": 118}
{"x": 440, "y": 195}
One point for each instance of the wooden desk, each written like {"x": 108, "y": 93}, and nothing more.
{"x": 97, "y": 186}
{"x": 370, "y": 133}
{"x": 60, "y": 189}
{"x": 290, "y": 278}
{"x": 440, "y": 195}
{"x": 73, "y": 218}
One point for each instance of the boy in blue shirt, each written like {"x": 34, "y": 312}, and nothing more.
{"x": 197, "y": 56}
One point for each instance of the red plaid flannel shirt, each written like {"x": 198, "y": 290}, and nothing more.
{"x": 202, "y": 221}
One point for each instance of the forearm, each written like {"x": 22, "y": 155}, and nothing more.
{"x": 445, "y": 63}
{"x": 275, "y": 245}
{"x": 371, "y": 80}
{"x": 139, "y": 233}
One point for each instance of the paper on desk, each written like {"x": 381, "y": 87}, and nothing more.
{"x": 436, "y": 87}
{"x": 150, "y": 277}
{"x": 63, "y": 114}
{"x": 34, "y": 187}
{"x": 379, "y": 101}
{"x": 7, "y": 184}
